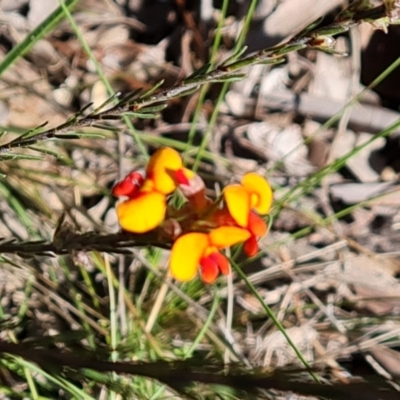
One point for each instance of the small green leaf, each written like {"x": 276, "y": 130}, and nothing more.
{"x": 47, "y": 152}
{"x": 288, "y": 48}
{"x": 16, "y": 156}
{"x": 200, "y": 72}
{"x": 235, "y": 56}
{"x": 330, "y": 30}
{"x": 309, "y": 28}
{"x": 230, "y": 78}
{"x": 79, "y": 135}
{"x": 106, "y": 127}
{"x": 105, "y": 103}
{"x": 31, "y": 132}
{"x": 80, "y": 112}
{"x": 152, "y": 90}
{"x": 129, "y": 97}
{"x": 182, "y": 92}
{"x": 153, "y": 108}
{"x": 140, "y": 115}
{"x": 273, "y": 61}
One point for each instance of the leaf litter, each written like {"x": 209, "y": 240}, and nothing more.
{"x": 329, "y": 267}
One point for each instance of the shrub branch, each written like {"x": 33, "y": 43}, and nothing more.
{"x": 144, "y": 105}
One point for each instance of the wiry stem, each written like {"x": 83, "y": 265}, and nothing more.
{"x": 318, "y": 38}
{"x": 113, "y": 243}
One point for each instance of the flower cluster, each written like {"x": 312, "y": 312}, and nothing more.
{"x": 202, "y": 228}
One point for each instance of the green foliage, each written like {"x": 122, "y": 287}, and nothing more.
{"x": 108, "y": 347}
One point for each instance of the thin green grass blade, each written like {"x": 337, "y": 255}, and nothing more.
{"x": 203, "y": 91}
{"x": 313, "y": 180}
{"x": 60, "y": 382}
{"x": 101, "y": 74}
{"x": 275, "y": 320}
{"x": 237, "y": 50}
{"x": 205, "y": 327}
{"x": 19, "y": 209}
{"x": 338, "y": 115}
{"x": 22, "y": 48}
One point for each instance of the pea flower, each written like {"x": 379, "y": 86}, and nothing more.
{"x": 244, "y": 202}
{"x": 146, "y": 205}
{"x": 201, "y": 228}
{"x": 197, "y": 249}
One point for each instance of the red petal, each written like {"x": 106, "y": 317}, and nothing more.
{"x": 129, "y": 186}
{"x": 209, "y": 270}
{"x": 181, "y": 178}
{"x": 256, "y": 225}
{"x": 222, "y": 262}
{"x": 250, "y": 246}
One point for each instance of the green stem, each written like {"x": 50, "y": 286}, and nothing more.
{"x": 33, "y": 37}
{"x": 277, "y": 323}
{"x": 205, "y": 327}
{"x": 102, "y": 75}
{"x": 204, "y": 89}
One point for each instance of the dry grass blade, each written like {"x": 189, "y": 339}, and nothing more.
{"x": 89, "y": 311}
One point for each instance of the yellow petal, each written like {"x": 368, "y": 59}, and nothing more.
{"x": 147, "y": 186}
{"x": 188, "y": 173}
{"x": 163, "y": 157}
{"x": 261, "y": 199}
{"x": 160, "y": 169}
{"x": 185, "y": 255}
{"x": 237, "y": 200}
{"x": 226, "y": 236}
{"x": 143, "y": 213}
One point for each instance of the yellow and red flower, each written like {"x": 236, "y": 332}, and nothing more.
{"x": 201, "y": 251}
{"x": 146, "y": 205}
{"x": 253, "y": 193}
{"x": 202, "y": 228}
{"x": 244, "y": 202}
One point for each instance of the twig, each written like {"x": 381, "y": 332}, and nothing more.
{"x": 144, "y": 106}
{"x": 184, "y": 373}
{"x": 113, "y": 243}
